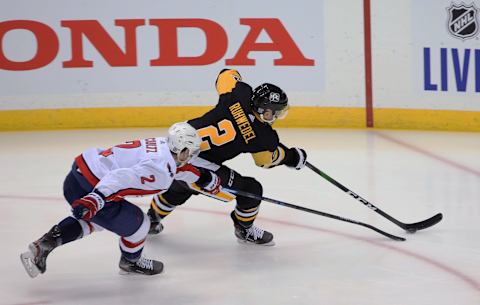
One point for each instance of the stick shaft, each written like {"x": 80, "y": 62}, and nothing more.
{"x": 285, "y": 204}
{"x": 409, "y": 227}
{"x": 353, "y": 194}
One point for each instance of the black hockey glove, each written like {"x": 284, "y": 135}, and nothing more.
{"x": 296, "y": 158}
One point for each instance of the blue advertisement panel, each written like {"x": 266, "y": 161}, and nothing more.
{"x": 446, "y": 46}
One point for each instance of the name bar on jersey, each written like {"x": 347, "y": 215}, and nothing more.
{"x": 242, "y": 122}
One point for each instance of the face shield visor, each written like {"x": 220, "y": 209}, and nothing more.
{"x": 271, "y": 113}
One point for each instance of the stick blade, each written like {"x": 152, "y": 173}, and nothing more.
{"x": 394, "y": 237}
{"x": 424, "y": 224}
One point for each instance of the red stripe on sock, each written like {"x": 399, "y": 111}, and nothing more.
{"x": 128, "y": 244}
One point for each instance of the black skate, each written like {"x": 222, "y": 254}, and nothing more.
{"x": 252, "y": 235}
{"x": 142, "y": 266}
{"x": 155, "y": 222}
{"x": 35, "y": 260}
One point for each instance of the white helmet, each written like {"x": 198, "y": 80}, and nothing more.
{"x": 182, "y": 135}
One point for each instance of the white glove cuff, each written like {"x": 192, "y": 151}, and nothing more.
{"x": 211, "y": 185}
{"x": 301, "y": 158}
{"x": 98, "y": 199}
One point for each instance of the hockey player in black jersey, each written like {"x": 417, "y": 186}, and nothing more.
{"x": 239, "y": 123}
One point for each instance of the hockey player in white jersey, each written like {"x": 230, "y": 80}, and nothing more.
{"x": 100, "y": 179}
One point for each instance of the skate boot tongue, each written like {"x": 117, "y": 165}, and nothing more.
{"x": 144, "y": 263}
{"x": 255, "y": 232}
{"x": 142, "y": 266}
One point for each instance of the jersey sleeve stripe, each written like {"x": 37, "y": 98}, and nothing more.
{"x": 130, "y": 192}
{"x": 189, "y": 168}
{"x": 85, "y": 170}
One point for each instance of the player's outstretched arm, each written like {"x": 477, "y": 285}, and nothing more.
{"x": 292, "y": 157}
{"x": 87, "y": 206}
{"x": 295, "y": 158}
{"x": 199, "y": 178}
{"x": 209, "y": 181}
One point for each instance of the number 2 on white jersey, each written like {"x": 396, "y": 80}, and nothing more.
{"x": 128, "y": 144}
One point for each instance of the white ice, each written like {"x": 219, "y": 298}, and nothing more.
{"x": 411, "y": 175}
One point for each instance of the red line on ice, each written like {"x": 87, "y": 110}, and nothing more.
{"x": 429, "y": 154}
{"x": 470, "y": 281}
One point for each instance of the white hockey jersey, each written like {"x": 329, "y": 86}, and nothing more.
{"x": 137, "y": 168}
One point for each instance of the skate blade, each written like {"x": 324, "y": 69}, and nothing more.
{"x": 127, "y": 273}
{"x": 130, "y": 273}
{"x": 27, "y": 261}
{"x": 245, "y": 242}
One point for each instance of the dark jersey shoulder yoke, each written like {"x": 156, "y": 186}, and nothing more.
{"x": 231, "y": 128}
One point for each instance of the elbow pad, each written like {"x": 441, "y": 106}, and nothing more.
{"x": 268, "y": 159}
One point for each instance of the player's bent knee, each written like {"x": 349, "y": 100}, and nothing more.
{"x": 251, "y": 185}
{"x": 141, "y": 232}
{"x": 132, "y": 246}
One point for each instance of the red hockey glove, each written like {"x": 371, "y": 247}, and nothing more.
{"x": 87, "y": 206}
{"x": 214, "y": 185}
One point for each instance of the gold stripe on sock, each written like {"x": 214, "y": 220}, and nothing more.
{"x": 158, "y": 210}
{"x": 245, "y": 219}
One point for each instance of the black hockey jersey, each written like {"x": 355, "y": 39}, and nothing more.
{"x": 231, "y": 128}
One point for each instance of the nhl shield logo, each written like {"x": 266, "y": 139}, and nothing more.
{"x": 463, "y": 20}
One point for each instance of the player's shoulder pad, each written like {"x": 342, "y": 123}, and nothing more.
{"x": 227, "y": 80}
{"x": 243, "y": 92}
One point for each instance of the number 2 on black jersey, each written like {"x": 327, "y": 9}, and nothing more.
{"x": 218, "y": 135}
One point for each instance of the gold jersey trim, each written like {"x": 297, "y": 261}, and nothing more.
{"x": 226, "y": 81}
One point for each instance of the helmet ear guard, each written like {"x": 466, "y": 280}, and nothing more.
{"x": 269, "y": 97}
{"x": 182, "y": 136}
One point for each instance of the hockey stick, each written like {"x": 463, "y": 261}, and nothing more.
{"x": 409, "y": 227}
{"x": 296, "y": 207}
